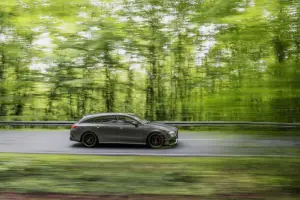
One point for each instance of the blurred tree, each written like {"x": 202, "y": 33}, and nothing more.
{"x": 165, "y": 60}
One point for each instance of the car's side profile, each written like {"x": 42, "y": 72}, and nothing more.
{"x": 122, "y": 128}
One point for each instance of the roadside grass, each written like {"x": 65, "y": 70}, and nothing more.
{"x": 208, "y": 177}
{"x": 287, "y": 151}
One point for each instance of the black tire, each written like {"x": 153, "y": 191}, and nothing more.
{"x": 155, "y": 140}
{"x": 89, "y": 140}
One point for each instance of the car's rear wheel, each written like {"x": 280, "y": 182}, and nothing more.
{"x": 89, "y": 140}
{"x": 155, "y": 140}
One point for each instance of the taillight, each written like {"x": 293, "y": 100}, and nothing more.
{"x": 74, "y": 126}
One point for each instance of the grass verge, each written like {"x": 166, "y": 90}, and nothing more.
{"x": 207, "y": 177}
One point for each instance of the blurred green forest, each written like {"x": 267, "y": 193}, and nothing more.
{"x": 185, "y": 60}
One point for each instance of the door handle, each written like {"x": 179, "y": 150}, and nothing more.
{"x": 97, "y": 126}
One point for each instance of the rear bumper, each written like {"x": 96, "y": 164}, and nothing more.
{"x": 72, "y": 138}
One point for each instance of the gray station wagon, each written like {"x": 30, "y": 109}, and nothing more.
{"x": 122, "y": 128}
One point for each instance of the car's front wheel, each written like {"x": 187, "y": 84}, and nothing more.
{"x": 155, "y": 140}
{"x": 89, "y": 140}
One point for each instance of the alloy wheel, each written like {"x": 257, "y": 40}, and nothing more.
{"x": 89, "y": 140}
{"x": 156, "y": 140}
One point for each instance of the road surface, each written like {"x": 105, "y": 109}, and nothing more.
{"x": 190, "y": 144}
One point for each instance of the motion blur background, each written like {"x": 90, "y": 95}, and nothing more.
{"x": 165, "y": 60}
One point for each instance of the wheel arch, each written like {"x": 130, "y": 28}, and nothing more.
{"x": 90, "y": 132}
{"x": 153, "y": 132}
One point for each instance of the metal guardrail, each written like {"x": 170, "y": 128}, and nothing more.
{"x": 234, "y": 123}
{"x": 37, "y": 123}
{"x": 173, "y": 123}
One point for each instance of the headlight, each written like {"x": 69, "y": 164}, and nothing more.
{"x": 172, "y": 133}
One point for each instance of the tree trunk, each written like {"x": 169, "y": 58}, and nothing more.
{"x": 19, "y": 102}
{"x": 3, "y": 107}
{"x": 150, "y": 99}
{"x": 129, "y": 99}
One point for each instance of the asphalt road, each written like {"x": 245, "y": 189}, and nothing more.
{"x": 190, "y": 144}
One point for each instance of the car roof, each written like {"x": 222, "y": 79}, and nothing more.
{"x": 106, "y": 114}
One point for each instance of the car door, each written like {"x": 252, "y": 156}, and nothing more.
{"x": 107, "y": 129}
{"x": 127, "y": 132}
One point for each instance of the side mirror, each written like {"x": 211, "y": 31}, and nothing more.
{"x": 135, "y": 124}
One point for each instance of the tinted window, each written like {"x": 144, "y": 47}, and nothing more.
{"x": 93, "y": 120}
{"x": 108, "y": 119}
{"x": 102, "y": 119}
{"x": 125, "y": 119}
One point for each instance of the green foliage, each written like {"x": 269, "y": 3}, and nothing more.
{"x": 165, "y": 60}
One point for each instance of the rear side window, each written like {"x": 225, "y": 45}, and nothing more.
{"x": 93, "y": 120}
{"x": 102, "y": 119}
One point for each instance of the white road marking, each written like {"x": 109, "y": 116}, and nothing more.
{"x": 198, "y": 139}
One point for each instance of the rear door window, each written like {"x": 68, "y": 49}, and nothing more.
{"x": 108, "y": 119}
{"x": 125, "y": 120}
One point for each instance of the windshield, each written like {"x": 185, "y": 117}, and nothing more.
{"x": 140, "y": 119}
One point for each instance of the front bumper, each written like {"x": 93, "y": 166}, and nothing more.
{"x": 172, "y": 140}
